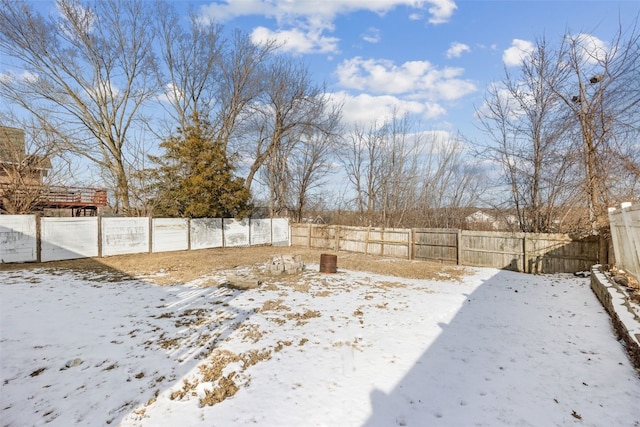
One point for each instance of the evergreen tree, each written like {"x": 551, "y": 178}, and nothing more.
{"x": 195, "y": 177}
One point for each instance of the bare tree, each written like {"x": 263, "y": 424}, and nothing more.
{"x": 291, "y": 110}
{"x": 449, "y": 182}
{"x": 310, "y": 163}
{"x": 241, "y": 81}
{"x": 192, "y": 54}
{"x": 398, "y": 170}
{"x": 87, "y": 72}
{"x": 599, "y": 86}
{"x": 361, "y": 160}
{"x": 527, "y": 130}
{"x": 401, "y": 177}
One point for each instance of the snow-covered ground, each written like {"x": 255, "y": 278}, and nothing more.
{"x": 496, "y": 348}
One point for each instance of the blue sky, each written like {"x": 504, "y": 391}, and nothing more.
{"x": 432, "y": 59}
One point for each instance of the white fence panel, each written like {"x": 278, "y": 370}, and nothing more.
{"x": 18, "y": 242}
{"x": 83, "y": 237}
{"x": 170, "y": 234}
{"x": 280, "y": 232}
{"x": 625, "y": 233}
{"x": 236, "y": 232}
{"x": 206, "y": 233}
{"x": 68, "y": 238}
{"x": 125, "y": 236}
{"x": 260, "y": 231}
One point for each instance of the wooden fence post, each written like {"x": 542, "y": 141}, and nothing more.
{"x": 410, "y": 244}
{"x": 366, "y": 241}
{"x": 188, "y": 234}
{"x": 99, "y": 236}
{"x": 459, "y": 247}
{"x": 222, "y": 230}
{"x": 525, "y": 260}
{"x": 38, "y": 238}
{"x": 150, "y": 234}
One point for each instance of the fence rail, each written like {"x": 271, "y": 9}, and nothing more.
{"x": 29, "y": 238}
{"x": 526, "y": 252}
{"x": 625, "y": 234}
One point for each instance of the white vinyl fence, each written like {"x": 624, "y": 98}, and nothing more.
{"x": 625, "y": 234}
{"x": 28, "y": 238}
{"x": 18, "y": 238}
{"x": 68, "y": 238}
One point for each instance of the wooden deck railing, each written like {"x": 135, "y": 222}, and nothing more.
{"x": 60, "y": 197}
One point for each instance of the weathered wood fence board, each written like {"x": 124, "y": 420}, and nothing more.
{"x": 436, "y": 244}
{"x": 560, "y": 253}
{"x": 492, "y": 249}
{"x": 526, "y": 252}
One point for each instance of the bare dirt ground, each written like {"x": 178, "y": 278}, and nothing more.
{"x": 185, "y": 266}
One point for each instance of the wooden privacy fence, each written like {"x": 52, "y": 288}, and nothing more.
{"x": 625, "y": 234}
{"x": 525, "y": 252}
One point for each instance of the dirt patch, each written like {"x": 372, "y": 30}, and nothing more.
{"x": 184, "y": 266}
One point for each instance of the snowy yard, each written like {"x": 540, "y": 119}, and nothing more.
{"x": 488, "y": 348}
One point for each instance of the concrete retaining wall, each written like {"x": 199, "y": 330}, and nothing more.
{"x": 625, "y": 314}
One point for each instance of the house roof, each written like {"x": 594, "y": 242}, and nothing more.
{"x": 12, "y": 145}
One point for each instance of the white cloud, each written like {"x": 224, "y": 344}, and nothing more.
{"x": 171, "y": 93}
{"x": 295, "y": 18}
{"x": 24, "y": 76}
{"x": 372, "y": 35}
{"x": 457, "y": 49}
{"x": 104, "y": 90}
{"x": 72, "y": 11}
{"x": 441, "y": 11}
{"x": 230, "y": 9}
{"x": 296, "y": 40}
{"x": 590, "y": 48}
{"x": 414, "y": 79}
{"x": 517, "y": 53}
{"x": 510, "y": 106}
{"x": 286, "y": 10}
{"x": 365, "y": 108}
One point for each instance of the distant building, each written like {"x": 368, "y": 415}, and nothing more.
{"x": 15, "y": 161}
{"x": 480, "y": 220}
{"x": 22, "y": 182}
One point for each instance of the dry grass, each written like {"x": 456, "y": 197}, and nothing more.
{"x": 184, "y": 266}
